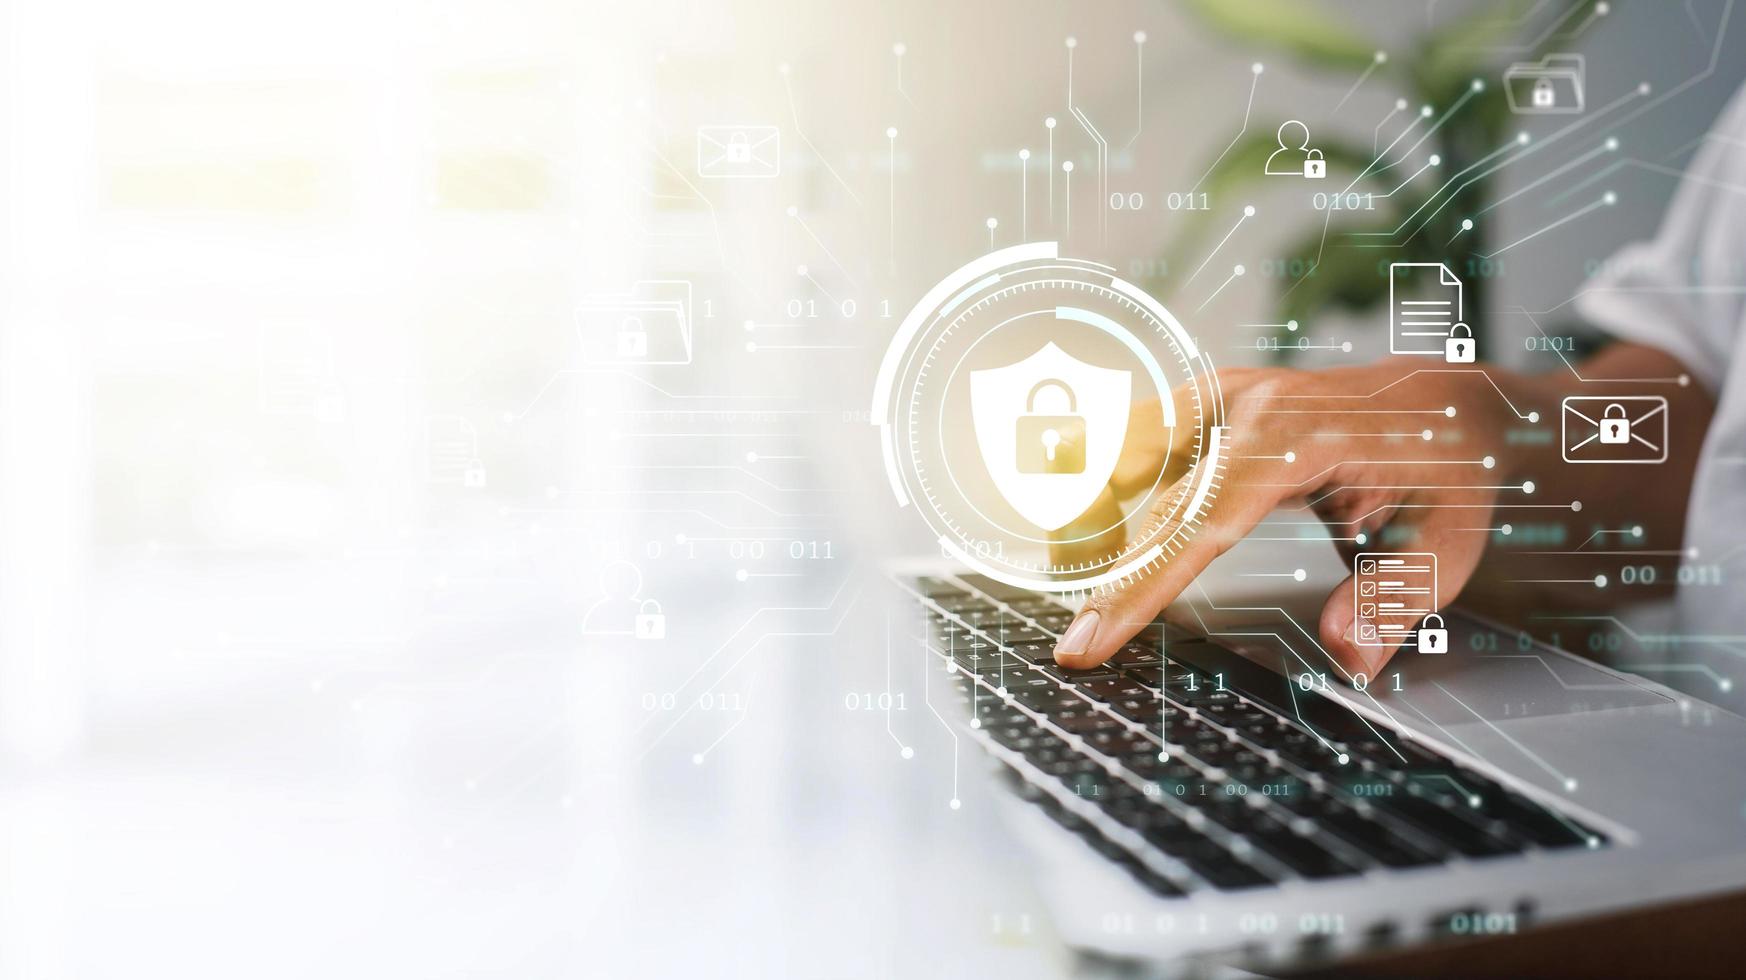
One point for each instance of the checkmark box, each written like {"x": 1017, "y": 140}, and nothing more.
{"x": 1367, "y": 567}
{"x": 1366, "y": 589}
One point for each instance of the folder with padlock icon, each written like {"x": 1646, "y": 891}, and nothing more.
{"x": 1554, "y": 84}
{"x": 739, "y": 151}
{"x": 1050, "y": 443}
{"x": 650, "y": 325}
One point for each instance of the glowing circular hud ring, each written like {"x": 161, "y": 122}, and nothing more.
{"x": 914, "y": 340}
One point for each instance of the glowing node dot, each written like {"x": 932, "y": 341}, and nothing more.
{"x": 1290, "y": 457}
{"x": 793, "y": 211}
{"x": 1237, "y": 271}
{"x": 1600, "y": 581}
{"x": 680, "y": 538}
{"x": 697, "y": 759}
{"x": 1691, "y": 554}
{"x": 891, "y": 132}
{"x": 1725, "y": 684}
{"x": 1448, "y": 411}
{"x": 1593, "y": 842}
{"x": 741, "y": 575}
{"x": 1612, "y": 142}
{"x": 1299, "y": 574}
{"x": 1636, "y": 530}
{"x": 976, "y": 723}
{"x": 1163, "y": 757}
{"x": 551, "y": 493}
{"x": 1072, "y": 41}
{"x": 1346, "y": 347}
{"x": 1139, "y": 37}
{"x": 1527, "y": 486}
{"x": 1381, "y": 57}
{"x": 1257, "y": 68}
{"x": 1425, "y": 111}
{"x": 800, "y": 270}
{"x": 1488, "y": 462}
{"x": 1436, "y": 160}
{"x": 1068, "y": 166}
{"x": 1024, "y": 154}
{"x": 1685, "y": 381}
{"x": 1248, "y": 210}
{"x": 751, "y": 457}
{"x": 1291, "y": 325}
{"x": 749, "y": 325}
{"x": 908, "y": 753}
{"x": 1507, "y": 530}
{"x": 509, "y": 417}
{"x": 1400, "y": 104}
{"x": 1473, "y": 801}
{"x": 783, "y": 68}
{"x": 1533, "y": 416}
{"x": 1602, "y": 9}
{"x": 993, "y": 224}
{"x": 899, "y": 49}
{"x": 955, "y": 803}
{"x": 1344, "y": 758}
{"x": 1425, "y": 435}
{"x": 1466, "y": 224}
{"x": 1570, "y": 786}
{"x": 1477, "y": 85}
{"x": 751, "y": 347}
{"x": 1001, "y": 691}
{"x": 1361, "y": 538}
{"x": 1643, "y": 88}
{"x": 1610, "y": 198}
{"x": 1049, "y": 122}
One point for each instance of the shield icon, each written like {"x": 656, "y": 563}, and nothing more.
{"x": 1050, "y": 429}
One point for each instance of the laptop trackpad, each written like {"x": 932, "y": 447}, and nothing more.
{"x": 1465, "y": 685}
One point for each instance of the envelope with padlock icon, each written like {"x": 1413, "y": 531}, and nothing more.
{"x": 739, "y": 151}
{"x": 649, "y": 325}
{"x": 1614, "y": 429}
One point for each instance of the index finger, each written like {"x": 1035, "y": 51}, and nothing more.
{"x": 1113, "y": 615}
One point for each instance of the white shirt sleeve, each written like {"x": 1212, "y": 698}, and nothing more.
{"x": 1681, "y": 292}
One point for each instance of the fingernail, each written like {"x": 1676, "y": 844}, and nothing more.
{"x": 1077, "y": 639}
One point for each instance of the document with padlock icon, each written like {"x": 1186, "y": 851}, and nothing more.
{"x": 739, "y": 151}
{"x": 650, "y": 325}
{"x": 1552, "y": 85}
{"x": 1614, "y": 429}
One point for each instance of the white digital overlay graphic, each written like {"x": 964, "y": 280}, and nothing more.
{"x": 1003, "y": 403}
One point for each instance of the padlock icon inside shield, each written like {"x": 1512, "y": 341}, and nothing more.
{"x": 633, "y": 340}
{"x": 1433, "y": 639}
{"x": 1615, "y": 431}
{"x": 739, "y": 148}
{"x": 651, "y": 621}
{"x": 1050, "y": 443}
{"x": 1459, "y": 349}
{"x": 1543, "y": 95}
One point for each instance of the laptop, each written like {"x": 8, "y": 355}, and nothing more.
{"x": 1209, "y": 798}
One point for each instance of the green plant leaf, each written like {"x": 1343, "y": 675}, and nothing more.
{"x": 1304, "y": 29}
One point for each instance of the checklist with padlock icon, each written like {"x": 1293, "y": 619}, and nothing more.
{"x": 1614, "y": 428}
{"x": 1050, "y": 443}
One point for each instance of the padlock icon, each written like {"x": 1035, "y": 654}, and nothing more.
{"x": 1314, "y": 166}
{"x": 1433, "y": 639}
{"x": 1615, "y": 431}
{"x": 1050, "y": 443}
{"x": 474, "y": 475}
{"x": 1459, "y": 350}
{"x": 651, "y": 622}
{"x": 739, "y": 149}
{"x": 633, "y": 341}
{"x": 1543, "y": 96}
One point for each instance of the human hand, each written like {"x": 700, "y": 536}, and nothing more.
{"x": 1352, "y": 444}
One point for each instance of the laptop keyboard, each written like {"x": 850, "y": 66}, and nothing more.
{"x": 1202, "y": 770}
